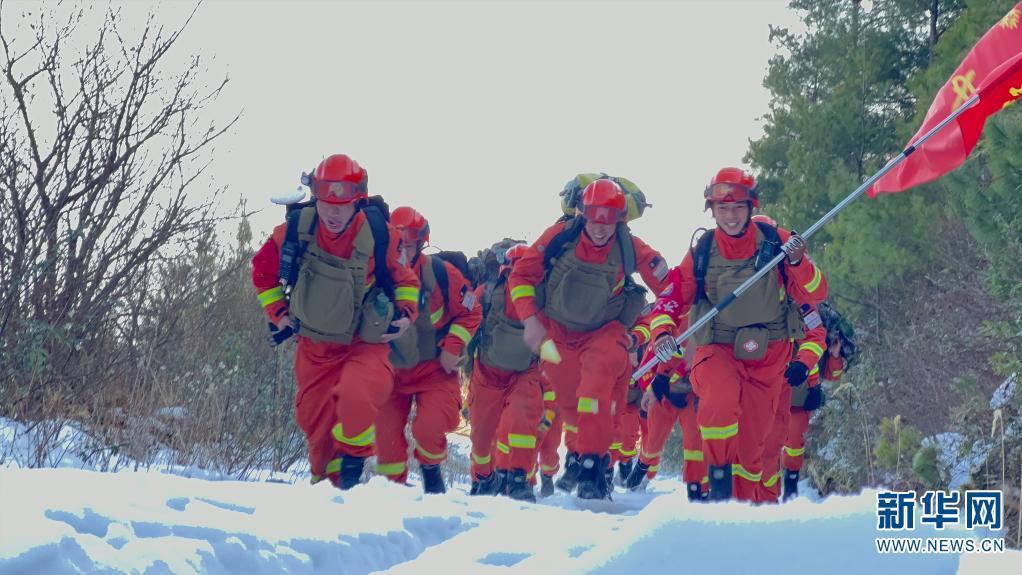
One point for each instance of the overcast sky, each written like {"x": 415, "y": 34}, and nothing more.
{"x": 477, "y": 113}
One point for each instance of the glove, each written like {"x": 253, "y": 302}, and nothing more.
{"x": 678, "y": 400}
{"x": 678, "y": 394}
{"x": 796, "y": 373}
{"x": 547, "y": 421}
{"x": 814, "y": 399}
{"x": 795, "y": 248}
{"x": 661, "y": 386}
{"x": 665, "y": 348}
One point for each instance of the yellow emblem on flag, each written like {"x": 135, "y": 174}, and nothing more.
{"x": 1011, "y": 19}
{"x": 963, "y": 88}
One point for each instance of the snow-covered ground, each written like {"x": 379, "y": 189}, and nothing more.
{"x": 73, "y": 520}
{"x": 78, "y": 521}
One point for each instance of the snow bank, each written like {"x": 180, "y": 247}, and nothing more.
{"x": 75, "y": 521}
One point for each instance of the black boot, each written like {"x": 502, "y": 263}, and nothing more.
{"x": 500, "y": 483}
{"x": 569, "y": 479}
{"x": 608, "y": 477}
{"x": 790, "y": 484}
{"x": 351, "y": 471}
{"x": 485, "y": 485}
{"x": 635, "y": 478}
{"x": 624, "y": 469}
{"x": 696, "y": 493}
{"x": 720, "y": 482}
{"x": 433, "y": 479}
{"x": 592, "y": 480}
{"x": 546, "y": 488}
{"x": 518, "y": 486}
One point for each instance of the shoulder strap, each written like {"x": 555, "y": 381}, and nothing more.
{"x": 770, "y": 247}
{"x": 624, "y": 241}
{"x": 301, "y": 229}
{"x": 439, "y": 277}
{"x": 381, "y": 247}
{"x": 570, "y": 233}
{"x": 701, "y": 261}
{"x": 303, "y": 223}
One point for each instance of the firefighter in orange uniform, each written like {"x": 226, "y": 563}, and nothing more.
{"x": 573, "y": 286}
{"x": 345, "y": 286}
{"x": 740, "y": 357}
{"x": 668, "y": 399}
{"x": 426, "y": 360}
{"x": 804, "y": 401}
{"x": 505, "y": 390}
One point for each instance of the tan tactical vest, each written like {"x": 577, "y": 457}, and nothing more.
{"x": 765, "y": 306}
{"x": 329, "y": 296}
{"x": 577, "y": 294}
{"x": 419, "y": 343}
{"x": 502, "y": 344}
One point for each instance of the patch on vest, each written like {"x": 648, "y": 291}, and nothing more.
{"x": 667, "y": 290}
{"x": 659, "y": 267}
{"x": 468, "y": 300}
{"x": 811, "y": 317}
{"x": 751, "y": 346}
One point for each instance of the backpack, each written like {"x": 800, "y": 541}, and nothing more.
{"x": 377, "y": 215}
{"x": 455, "y": 258}
{"x": 840, "y": 330}
{"x": 768, "y": 250}
{"x": 571, "y": 195}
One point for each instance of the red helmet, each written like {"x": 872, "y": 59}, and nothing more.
{"x": 410, "y": 224}
{"x": 513, "y": 254}
{"x": 339, "y": 180}
{"x": 765, "y": 219}
{"x": 732, "y": 185}
{"x": 603, "y": 201}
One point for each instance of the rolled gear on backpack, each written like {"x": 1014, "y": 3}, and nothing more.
{"x": 571, "y": 195}
{"x": 839, "y": 330}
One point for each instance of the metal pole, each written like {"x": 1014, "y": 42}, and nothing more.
{"x": 812, "y": 230}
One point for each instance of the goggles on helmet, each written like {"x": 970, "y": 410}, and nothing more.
{"x": 603, "y": 214}
{"x": 411, "y": 236}
{"x": 337, "y": 192}
{"x": 727, "y": 193}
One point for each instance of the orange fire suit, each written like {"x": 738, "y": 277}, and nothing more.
{"x": 810, "y": 349}
{"x": 435, "y": 393}
{"x": 626, "y": 433}
{"x": 505, "y": 408}
{"x": 737, "y": 398}
{"x": 340, "y": 387}
{"x": 593, "y": 362}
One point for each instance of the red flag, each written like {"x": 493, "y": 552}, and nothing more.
{"x": 993, "y": 68}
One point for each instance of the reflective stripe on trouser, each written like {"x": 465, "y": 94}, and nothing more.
{"x": 793, "y": 451}
{"x": 593, "y": 365}
{"x": 501, "y": 450}
{"x": 626, "y": 432}
{"x": 659, "y": 423}
{"x": 770, "y": 488}
{"x": 737, "y": 399}
{"x": 437, "y": 400}
{"x": 339, "y": 384}
{"x": 549, "y": 459}
{"x": 694, "y": 469}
